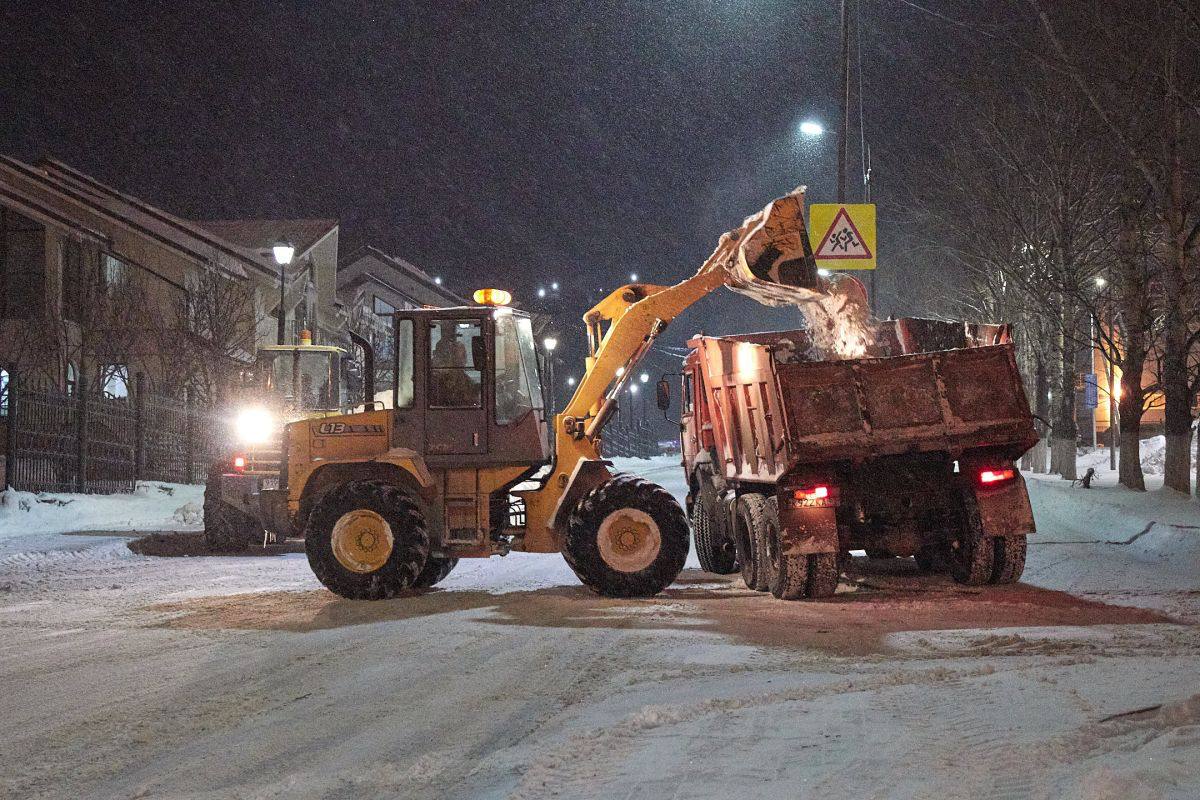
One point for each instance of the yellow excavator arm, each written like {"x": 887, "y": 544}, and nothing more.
{"x": 767, "y": 257}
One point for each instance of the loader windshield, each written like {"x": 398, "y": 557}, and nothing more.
{"x": 305, "y": 381}
{"x": 517, "y": 389}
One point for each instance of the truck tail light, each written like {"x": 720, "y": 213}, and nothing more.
{"x": 239, "y": 463}
{"x": 812, "y": 493}
{"x": 991, "y": 477}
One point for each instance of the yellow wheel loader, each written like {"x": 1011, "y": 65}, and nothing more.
{"x": 457, "y": 458}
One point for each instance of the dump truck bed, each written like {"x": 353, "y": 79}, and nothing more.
{"x": 771, "y": 407}
{"x": 952, "y": 400}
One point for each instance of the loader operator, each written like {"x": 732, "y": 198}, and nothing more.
{"x": 452, "y": 386}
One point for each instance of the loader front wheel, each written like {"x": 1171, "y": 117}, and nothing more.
{"x": 970, "y": 554}
{"x": 226, "y": 529}
{"x": 436, "y": 570}
{"x": 714, "y": 549}
{"x": 627, "y": 538}
{"x": 366, "y": 540}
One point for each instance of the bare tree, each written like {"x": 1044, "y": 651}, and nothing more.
{"x": 1138, "y": 66}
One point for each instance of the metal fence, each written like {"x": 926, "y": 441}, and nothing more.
{"x": 82, "y": 442}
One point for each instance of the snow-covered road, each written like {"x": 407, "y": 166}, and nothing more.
{"x": 125, "y": 675}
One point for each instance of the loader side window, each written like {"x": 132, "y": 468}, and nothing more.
{"x": 456, "y": 363}
{"x": 404, "y": 364}
{"x": 516, "y": 369}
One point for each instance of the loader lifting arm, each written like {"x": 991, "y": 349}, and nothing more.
{"x": 768, "y": 257}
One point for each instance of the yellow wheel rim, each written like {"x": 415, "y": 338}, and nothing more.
{"x": 362, "y": 540}
{"x": 629, "y": 540}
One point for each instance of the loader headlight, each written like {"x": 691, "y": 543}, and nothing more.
{"x": 254, "y": 425}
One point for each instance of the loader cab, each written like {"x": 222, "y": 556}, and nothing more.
{"x": 302, "y": 378}
{"x": 467, "y": 387}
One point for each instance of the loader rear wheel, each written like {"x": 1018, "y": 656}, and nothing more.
{"x": 226, "y": 530}
{"x": 436, "y": 569}
{"x": 714, "y": 549}
{"x": 366, "y": 540}
{"x": 627, "y": 538}
{"x": 823, "y": 574}
{"x": 969, "y": 554}
{"x": 1008, "y": 558}
{"x": 752, "y": 521}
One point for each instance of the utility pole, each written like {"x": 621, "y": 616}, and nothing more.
{"x": 843, "y": 128}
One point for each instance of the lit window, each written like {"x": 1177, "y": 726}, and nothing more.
{"x": 3, "y": 393}
{"x": 72, "y": 378}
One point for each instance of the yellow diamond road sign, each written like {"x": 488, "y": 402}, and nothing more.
{"x": 843, "y": 236}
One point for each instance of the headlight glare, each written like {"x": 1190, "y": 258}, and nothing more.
{"x": 254, "y": 425}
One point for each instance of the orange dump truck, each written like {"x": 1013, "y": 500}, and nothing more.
{"x": 794, "y": 461}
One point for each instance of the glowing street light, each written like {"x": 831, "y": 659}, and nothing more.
{"x": 644, "y": 377}
{"x": 633, "y": 388}
{"x": 1100, "y": 282}
{"x": 571, "y": 381}
{"x": 633, "y": 277}
{"x": 554, "y": 286}
{"x": 811, "y": 128}
{"x": 438, "y": 280}
{"x": 550, "y": 343}
{"x": 283, "y": 251}
{"x": 541, "y": 291}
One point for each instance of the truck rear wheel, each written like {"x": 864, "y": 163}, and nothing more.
{"x": 714, "y": 549}
{"x": 1008, "y": 559}
{"x": 970, "y": 554}
{"x": 436, "y": 569}
{"x": 226, "y": 529}
{"x": 627, "y": 538}
{"x": 753, "y": 516}
{"x": 366, "y": 540}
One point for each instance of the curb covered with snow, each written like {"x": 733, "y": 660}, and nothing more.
{"x": 152, "y": 506}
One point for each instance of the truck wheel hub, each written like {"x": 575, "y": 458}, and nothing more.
{"x": 629, "y": 540}
{"x": 362, "y": 541}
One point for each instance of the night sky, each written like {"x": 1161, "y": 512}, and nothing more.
{"x": 490, "y": 143}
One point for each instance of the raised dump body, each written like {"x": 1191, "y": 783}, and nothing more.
{"x": 906, "y": 451}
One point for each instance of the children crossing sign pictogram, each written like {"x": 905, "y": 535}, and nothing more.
{"x": 843, "y": 236}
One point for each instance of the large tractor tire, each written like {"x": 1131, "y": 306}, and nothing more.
{"x": 970, "y": 554}
{"x": 714, "y": 549}
{"x": 366, "y": 540}
{"x": 627, "y": 538}
{"x": 1008, "y": 558}
{"x": 754, "y": 529}
{"x": 436, "y": 569}
{"x": 226, "y": 529}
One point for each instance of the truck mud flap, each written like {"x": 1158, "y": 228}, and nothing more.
{"x": 1005, "y": 510}
{"x": 804, "y": 531}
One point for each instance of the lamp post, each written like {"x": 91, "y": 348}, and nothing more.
{"x": 550, "y": 342}
{"x": 283, "y": 252}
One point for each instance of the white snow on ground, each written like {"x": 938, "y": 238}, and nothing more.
{"x": 151, "y": 507}
{"x": 128, "y": 676}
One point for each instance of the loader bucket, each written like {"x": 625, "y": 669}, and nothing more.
{"x": 769, "y": 258}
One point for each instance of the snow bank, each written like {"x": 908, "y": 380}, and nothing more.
{"x": 1153, "y": 455}
{"x": 152, "y": 507}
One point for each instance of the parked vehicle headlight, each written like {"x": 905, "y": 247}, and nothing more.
{"x": 254, "y": 425}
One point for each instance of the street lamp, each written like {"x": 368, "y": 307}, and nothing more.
{"x": 1100, "y": 282}
{"x": 644, "y": 377}
{"x": 283, "y": 251}
{"x": 438, "y": 280}
{"x": 541, "y": 291}
{"x": 633, "y": 277}
{"x": 571, "y": 381}
{"x": 554, "y": 286}
{"x": 811, "y": 128}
